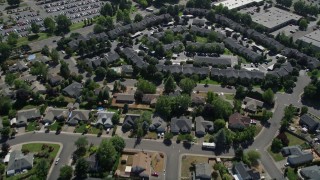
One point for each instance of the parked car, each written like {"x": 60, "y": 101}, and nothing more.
{"x": 155, "y": 174}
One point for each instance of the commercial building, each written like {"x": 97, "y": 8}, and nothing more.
{"x": 312, "y": 38}
{"x": 274, "y": 18}
{"x": 236, "y": 4}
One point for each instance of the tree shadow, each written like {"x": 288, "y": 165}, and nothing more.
{"x": 187, "y": 145}
{"x": 33, "y": 37}
{"x": 167, "y": 142}
{"x": 311, "y": 103}
{"x": 137, "y": 142}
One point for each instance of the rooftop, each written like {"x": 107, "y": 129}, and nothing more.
{"x": 232, "y": 4}
{"x": 274, "y": 17}
{"x": 313, "y": 37}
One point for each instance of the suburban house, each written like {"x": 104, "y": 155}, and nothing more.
{"x": 238, "y": 121}
{"x": 124, "y": 98}
{"x": 52, "y": 114}
{"x": 19, "y": 66}
{"x": 54, "y": 80}
{"x": 23, "y": 116}
{"x": 36, "y": 87}
{"x": 296, "y": 156}
{"x": 199, "y": 22}
{"x": 127, "y": 70}
{"x": 104, "y": 118}
{"x": 181, "y": 124}
{"x": 242, "y": 171}
{"x": 158, "y": 124}
{"x": 19, "y": 162}
{"x": 128, "y": 122}
{"x": 251, "y": 105}
{"x": 141, "y": 165}
{"x": 73, "y": 90}
{"x": 203, "y": 171}
{"x": 150, "y": 99}
{"x": 310, "y": 121}
{"x": 77, "y": 116}
{"x": 202, "y": 126}
{"x": 311, "y": 172}
{"x": 197, "y": 100}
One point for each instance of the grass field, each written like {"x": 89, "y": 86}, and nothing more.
{"x": 291, "y": 175}
{"x": 276, "y": 156}
{"x": 209, "y": 81}
{"x": 26, "y": 40}
{"x": 36, "y": 147}
{"x": 293, "y": 140}
{"x": 229, "y": 96}
{"x": 201, "y": 39}
{"x": 76, "y": 26}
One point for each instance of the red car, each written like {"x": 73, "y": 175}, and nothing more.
{"x": 155, "y": 174}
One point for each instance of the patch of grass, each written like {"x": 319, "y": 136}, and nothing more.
{"x": 187, "y": 161}
{"x": 69, "y": 99}
{"x": 91, "y": 129}
{"x": 258, "y": 129}
{"x": 317, "y": 75}
{"x": 201, "y": 39}
{"x": 276, "y": 156}
{"x": 31, "y": 126}
{"x": 31, "y": 38}
{"x": 293, "y": 140}
{"x": 209, "y": 81}
{"x": 29, "y": 106}
{"x": 207, "y": 137}
{"x": 227, "y": 51}
{"x": 291, "y": 175}
{"x": 37, "y": 147}
{"x": 53, "y": 126}
{"x": 76, "y": 26}
{"x": 151, "y": 135}
{"x": 229, "y": 96}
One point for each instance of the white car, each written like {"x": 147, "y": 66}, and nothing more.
{"x": 57, "y": 160}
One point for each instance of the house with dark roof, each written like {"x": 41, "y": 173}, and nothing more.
{"x": 296, "y": 156}
{"x": 125, "y": 98}
{"x": 52, "y": 114}
{"x": 158, "y": 124}
{"x": 238, "y": 121}
{"x": 202, "y": 171}
{"x": 111, "y": 57}
{"x": 24, "y": 116}
{"x": 243, "y": 172}
{"x": 19, "y": 162}
{"x": 54, "y": 80}
{"x": 251, "y": 105}
{"x": 104, "y": 118}
{"x": 180, "y": 125}
{"x": 19, "y": 66}
{"x": 222, "y": 60}
{"x": 92, "y": 162}
{"x": 197, "y": 100}
{"x": 198, "y": 22}
{"x": 77, "y": 116}
{"x": 127, "y": 70}
{"x": 284, "y": 70}
{"x": 150, "y": 99}
{"x": 310, "y": 121}
{"x": 311, "y": 172}
{"x": 73, "y": 90}
{"x": 141, "y": 165}
{"x": 129, "y": 121}
{"x": 203, "y": 127}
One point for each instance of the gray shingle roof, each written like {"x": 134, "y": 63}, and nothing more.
{"x": 311, "y": 172}
{"x": 18, "y": 162}
{"x": 73, "y": 90}
{"x": 203, "y": 171}
{"x": 181, "y": 124}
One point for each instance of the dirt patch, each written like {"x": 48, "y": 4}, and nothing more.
{"x": 157, "y": 162}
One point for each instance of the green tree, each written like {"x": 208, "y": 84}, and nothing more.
{"x": 120, "y": 15}
{"x": 100, "y": 72}
{"x": 10, "y": 77}
{"x": 5, "y": 132}
{"x": 138, "y": 18}
{"x": 13, "y": 2}
{"x": 5, "y": 51}
{"x": 219, "y": 124}
{"x": 304, "y": 110}
{"x": 55, "y": 56}
{"x": 81, "y": 169}
{"x": 187, "y": 85}
{"x": 253, "y": 156}
{"x": 168, "y": 136}
{"x": 42, "y": 168}
{"x": 268, "y": 96}
{"x": 39, "y": 69}
{"x": 50, "y": 25}
{"x": 146, "y": 87}
{"x": 81, "y": 143}
{"x": 2, "y": 168}
{"x": 64, "y": 70}
{"x": 303, "y": 24}
{"x": 35, "y": 28}
{"x": 12, "y": 39}
{"x": 45, "y": 50}
{"x": 66, "y": 172}
{"x": 106, "y": 154}
{"x": 118, "y": 143}
{"x": 107, "y": 10}
{"x": 169, "y": 85}
{"x": 310, "y": 91}
{"x": 115, "y": 118}
{"x": 63, "y": 23}
{"x": 276, "y": 145}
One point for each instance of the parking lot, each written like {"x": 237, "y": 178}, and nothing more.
{"x": 20, "y": 19}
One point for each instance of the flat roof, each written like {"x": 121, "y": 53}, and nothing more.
{"x": 313, "y": 37}
{"x": 232, "y": 4}
{"x": 274, "y": 17}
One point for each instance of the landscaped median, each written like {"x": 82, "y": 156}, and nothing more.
{"x": 40, "y": 155}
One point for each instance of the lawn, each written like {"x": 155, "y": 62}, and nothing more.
{"x": 227, "y": 51}
{"x": 151, "y": 135}
{"x": 293, "y": 140}
{"x": 317, "y": 75}
{"x": 186, "y": 167}
{"x": 31, "y": 126}
{"x": 258, "y": 129}
{"x": 291, "y": 175}
{"x": 207, "y": 137}
{"x": 37, "y": 147}
{"x": 201, "y": 39}
{"x": 53, "y": 126}
{"x": 31, "y": 38}
{"x": 209, "y": 81}
{"x": 229, "y": 96}
{"x": 83, "y": 127}
{"x": 76, "y": 26}
{"x": 29, "y": 106}
{"x": 276, "y": 156}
